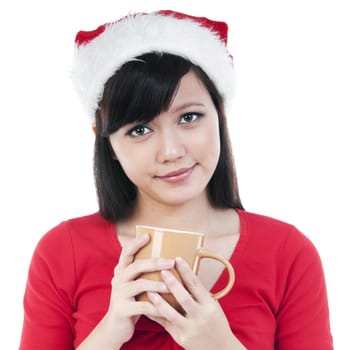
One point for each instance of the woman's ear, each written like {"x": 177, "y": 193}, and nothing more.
{"x": 94, "y": 129}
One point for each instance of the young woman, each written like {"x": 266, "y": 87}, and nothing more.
{"x": 156, "y": 87}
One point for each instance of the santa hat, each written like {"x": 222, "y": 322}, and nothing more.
{"x": 99, "y": 53}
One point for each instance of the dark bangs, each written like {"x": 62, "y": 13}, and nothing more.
{"x": 140, "y": 90}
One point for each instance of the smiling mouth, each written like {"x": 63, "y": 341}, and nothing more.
{"x": 178, "y": 175}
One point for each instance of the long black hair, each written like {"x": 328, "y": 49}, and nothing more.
{"x": 139, "y": 91}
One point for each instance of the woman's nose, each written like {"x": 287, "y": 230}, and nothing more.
{"x": 171, "y": 146}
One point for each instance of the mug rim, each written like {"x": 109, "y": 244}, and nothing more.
{"x": 161, "y": 229}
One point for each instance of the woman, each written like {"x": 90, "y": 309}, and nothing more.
{"x": 156, "y": 87}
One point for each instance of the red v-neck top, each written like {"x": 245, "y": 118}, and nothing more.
{"x": 279, "y": 299}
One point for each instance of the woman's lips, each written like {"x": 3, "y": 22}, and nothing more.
{"x": 178, "y": 175}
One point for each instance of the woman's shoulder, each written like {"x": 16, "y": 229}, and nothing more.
{"x": 77, "y": 232}
{"x": 277, "y": 245}
{"x": 267, "y": 231}
{"x": 263, "y": 222}
{"x": 90, "y": 221}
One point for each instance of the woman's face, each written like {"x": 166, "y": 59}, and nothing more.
{"x": 171, "y": 159}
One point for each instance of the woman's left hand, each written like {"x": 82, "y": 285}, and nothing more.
{"x": 204, "y": 324}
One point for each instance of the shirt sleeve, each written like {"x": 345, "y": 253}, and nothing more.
{"x": 303, "y": 315}
{"x": 48, "y": 302}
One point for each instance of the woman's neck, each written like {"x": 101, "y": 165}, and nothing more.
{"x": 199, "y": 217}
{"x": 195, "y": 215}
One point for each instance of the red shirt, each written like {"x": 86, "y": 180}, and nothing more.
{"x": 279, "y": 299}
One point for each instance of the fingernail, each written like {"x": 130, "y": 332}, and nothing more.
{"x": 153, "y": 296}
{"x": 166, "y": 275}
{"x": 143, "y": 238}
{"x": 163, "y": 288}
{"x": 179, "y": 261}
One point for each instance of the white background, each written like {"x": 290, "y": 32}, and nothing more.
{"x": 289, "y": 127}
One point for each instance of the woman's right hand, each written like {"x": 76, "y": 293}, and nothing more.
{"x": 118, "y": 324}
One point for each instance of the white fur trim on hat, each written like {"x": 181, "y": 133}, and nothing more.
{"x": 97, "y": 60}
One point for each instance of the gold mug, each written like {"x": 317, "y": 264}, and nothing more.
{"x": 170, "y": 243}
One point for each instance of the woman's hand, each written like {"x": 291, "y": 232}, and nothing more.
{"x": 118, "y": 324}
{"x": 204, "y": 325}
{"x": 124, "y": 310}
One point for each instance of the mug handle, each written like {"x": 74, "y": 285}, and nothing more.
{"x": 204, "y": 253}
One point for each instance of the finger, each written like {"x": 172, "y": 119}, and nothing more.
{"x": 141, "y": 308}
{"x": 139, "y": 267}
{"x": 183, "y": 297}
{"x": 191, "y": 280}
{"x": 157, "y": 318}
{"x": 143, "y": 285}
{"x": 161, "y": 320}
{"x": 166, "y": 313}
{"x": 142, "y": 266}
{"x": 128, "y": 252}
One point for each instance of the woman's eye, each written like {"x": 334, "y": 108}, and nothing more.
{"x": 139, "y": 130}
{"x": 190, "y": 118}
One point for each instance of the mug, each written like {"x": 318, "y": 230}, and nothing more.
{"x": 169, "y": 243}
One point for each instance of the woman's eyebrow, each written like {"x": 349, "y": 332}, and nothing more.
{"x": 186, "y": 105}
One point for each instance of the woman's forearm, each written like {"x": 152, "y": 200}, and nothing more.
{"x": 103, "y": 337}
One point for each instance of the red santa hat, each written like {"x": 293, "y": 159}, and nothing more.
{"x": 99, "y": 53}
